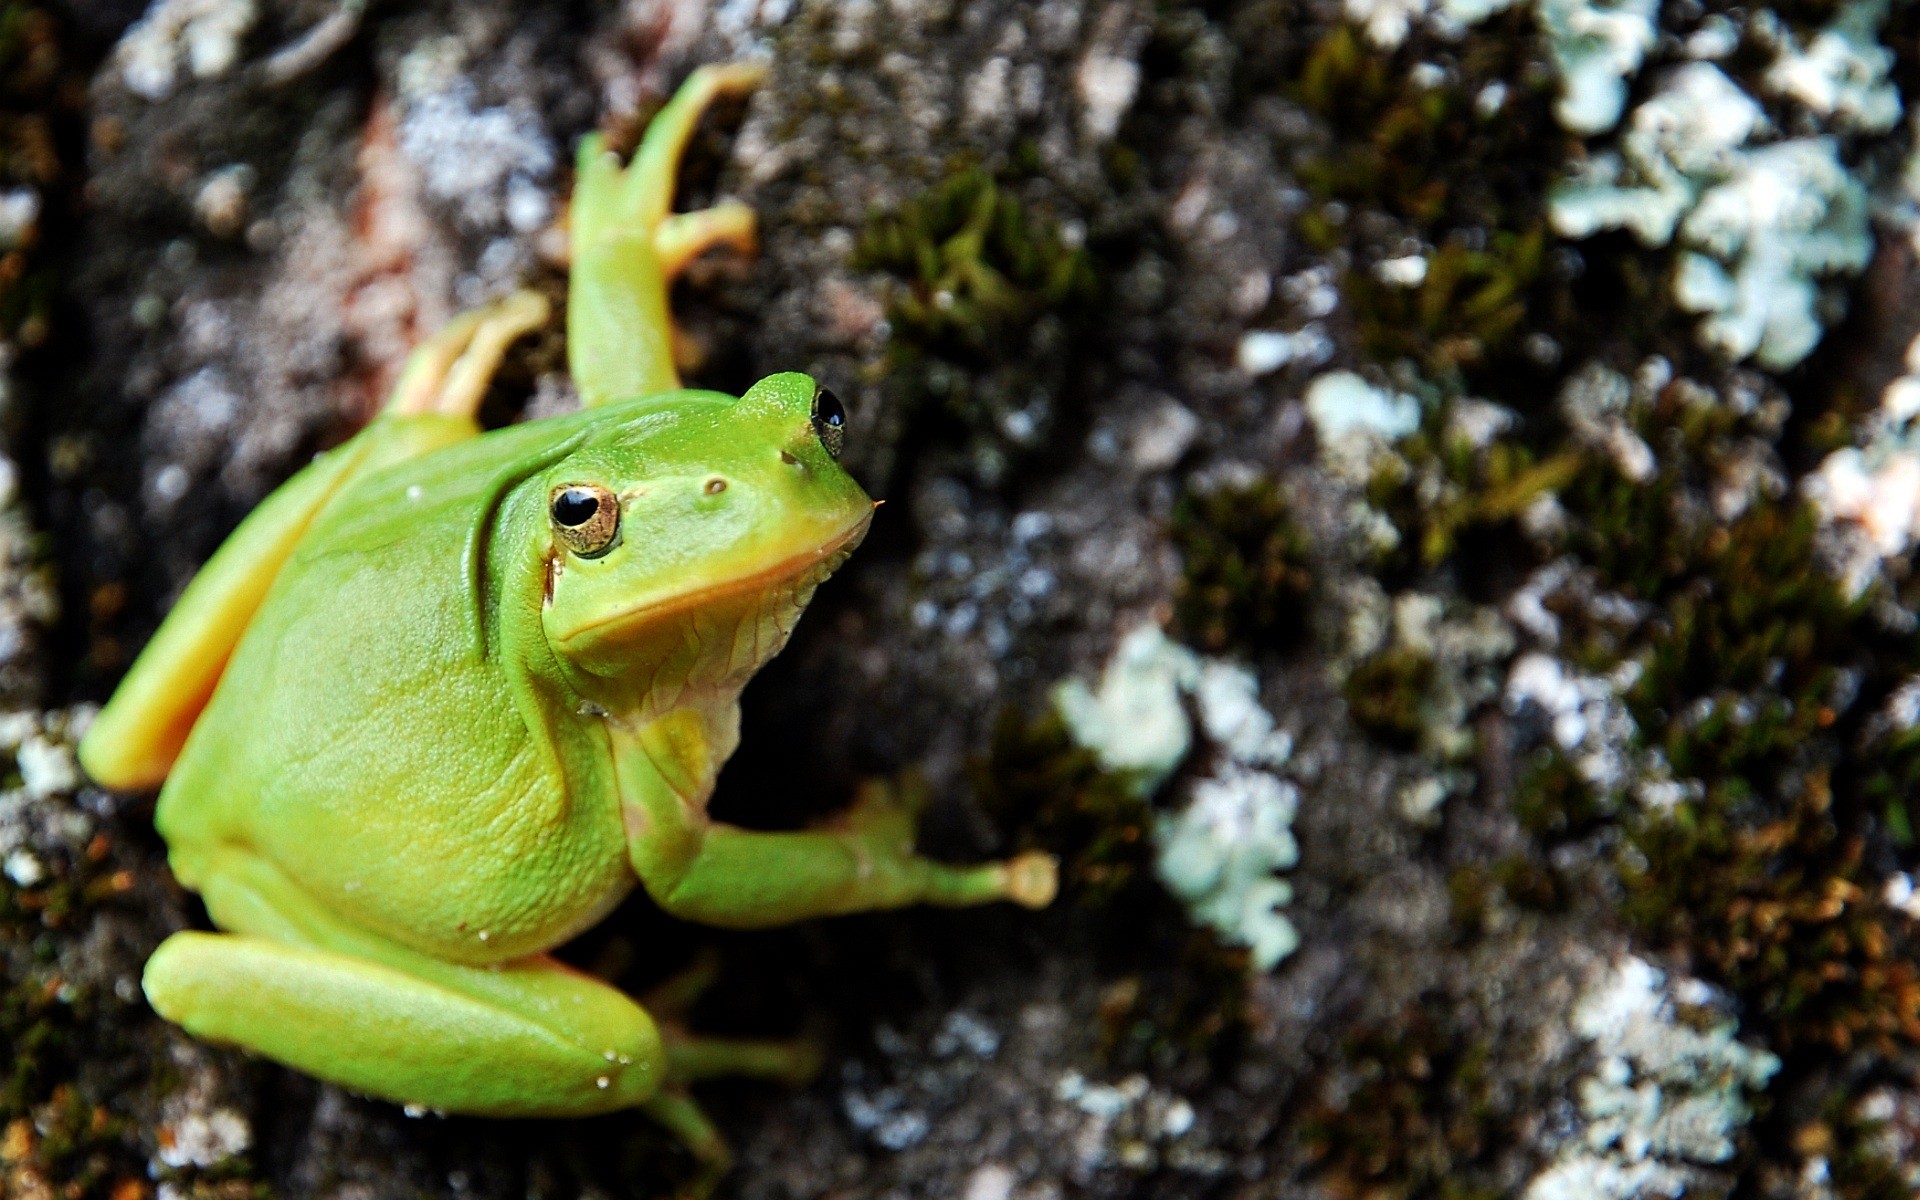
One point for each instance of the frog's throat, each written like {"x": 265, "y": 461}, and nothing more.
{"x": 820, "y": 561}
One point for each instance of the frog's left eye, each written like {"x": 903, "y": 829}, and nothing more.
{"x": 586, "y": 518}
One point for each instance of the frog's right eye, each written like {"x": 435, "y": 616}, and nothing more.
{"x": 829, "y": 421}
{"x": 586, "y": 518}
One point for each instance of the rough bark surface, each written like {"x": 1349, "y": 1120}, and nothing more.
{"x": 1027, "y": 243}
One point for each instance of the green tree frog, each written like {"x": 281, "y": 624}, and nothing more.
{"x": 446, "y": 696}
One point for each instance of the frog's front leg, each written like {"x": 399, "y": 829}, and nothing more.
{"x": 628, "y": 246}
{"x": 138, "y": 735}
{"x": 719, "y": 874}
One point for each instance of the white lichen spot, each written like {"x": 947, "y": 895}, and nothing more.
{"x": 1715, "y": 39}
{"x": 1900, "y": 893}
{"x": 1598, "y": 45}
{"x": 1135, "y": 721}
{"x": 1842, "y": 73}
{"x": 1134, "y": 1126}
{"x": 1264, "y": 351}
{"x": 989, "y": 1181}
{"x": 1477, "y": 422}
{"x": 1689, "y": 131}
{"x": 490, "y": 162}
{"x": 221, "y": 201}
{"x": 1344, "y": 406}
{"x": 1790, "y": 215}
{"x": 1762, "y": 226}
{"x": 1585, "y": 715}
{"x": 1406, "y": 271}
{"x": 1387, "y": 22}
{"x": 1595, "y": 402}
{"x": 204, "y": 1139}
{"x": 1228, "y": 697}
{"x": 1669, "y": 1095}
{"x": 24, "y": 869}
{"x": 19, "y": 217}
{"x": 200, "y": 36}
{"x": 1106, "y": 85}
{"x": 1868, "y": 496}
{"x": 47, "y": 766}
{"x": 1220, "y": 851}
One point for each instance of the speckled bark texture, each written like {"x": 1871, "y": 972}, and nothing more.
{"x": 1333, "y": 339}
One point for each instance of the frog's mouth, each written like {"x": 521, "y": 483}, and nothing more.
{"x": 793, "y": 574}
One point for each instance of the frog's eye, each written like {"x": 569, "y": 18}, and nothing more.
{"x": 586, "y": 518}
{"x": 829, "y": 421}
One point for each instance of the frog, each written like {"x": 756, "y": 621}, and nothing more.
{"x": 449, "y": 695}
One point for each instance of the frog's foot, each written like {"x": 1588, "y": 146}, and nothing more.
{"x": 674, "y": 996}
{"x": 449, "y": 372}
{"x": 628, "y": 246}
{"x": 886, "y": 816}
{"x": 691, "y": 1057}
{"x": 610, "y": 200}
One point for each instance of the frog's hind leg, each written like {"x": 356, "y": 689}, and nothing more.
{"x": 299, "y": 985}
{"x": 628, "y": 246}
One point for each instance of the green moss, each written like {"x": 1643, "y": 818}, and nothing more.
{"x": 1762, "y": 878}
{"x": 974, "y": 263}
{"x": 1438, "y": 490}
{"x": 1470, "y": 306}
{"x": 1783, "y": 912}
{"x": 1190, "y": 1007}
{"x": 1408, "y": 1111}
{"x": 1859, "y": 1165}
{"x": 988, "y": 298}
{"x": 1553, "y": 801}
{"x": 1892, "y": 783}
{"x": 1387, "y": 695}
{"x": 1244, "y": 577}
{"x": 1465, "y": 179}
{"x": 1036, "y": 780}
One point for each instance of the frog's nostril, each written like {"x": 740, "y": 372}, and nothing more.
{"x": 787, "y": 458}
{"x": 715, "y": 486}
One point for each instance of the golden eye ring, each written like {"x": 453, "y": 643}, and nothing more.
{"x": 585, "y": 518}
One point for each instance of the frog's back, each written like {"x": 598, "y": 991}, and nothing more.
{"x": 375, "y": 742}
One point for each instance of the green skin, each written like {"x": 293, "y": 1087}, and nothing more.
{"x": 411, "y": 741}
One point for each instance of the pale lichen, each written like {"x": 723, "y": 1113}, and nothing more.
{"x": 1598, "y": 46}
{"x": 1670, "y": 1093}
{"x": 1344, "y": 406}
{"x": 200, "y": 37}
{"x": 1221, "y": 850}
{"x": 1841, "y": 73}
{"x": 1761, "y": 226}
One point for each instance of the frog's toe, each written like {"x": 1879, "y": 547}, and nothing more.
{"x": 449, "y": 372}
{"x": 1033, "y": 879}
{"x": 683, "y": 237}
